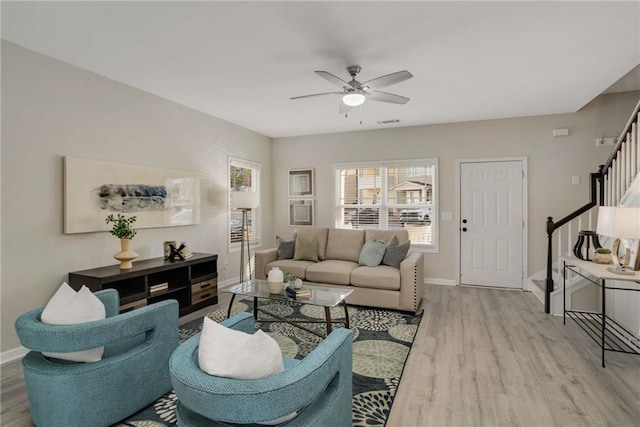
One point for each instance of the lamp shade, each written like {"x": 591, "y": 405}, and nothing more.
{"x": 244, "y": 200}
{"x": 619, "y": 222}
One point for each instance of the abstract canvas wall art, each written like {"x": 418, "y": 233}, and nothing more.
{"x": 159, "y": 197}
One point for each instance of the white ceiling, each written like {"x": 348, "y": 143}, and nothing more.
{"x": 242, "y": 61}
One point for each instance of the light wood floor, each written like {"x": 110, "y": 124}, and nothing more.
{"x": 481, "y": 357}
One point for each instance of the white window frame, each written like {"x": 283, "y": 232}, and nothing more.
{"x": 256, "y": 223}
{"x": 383, "y": 204}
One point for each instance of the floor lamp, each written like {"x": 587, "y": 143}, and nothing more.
{"x": 244, "y": 201}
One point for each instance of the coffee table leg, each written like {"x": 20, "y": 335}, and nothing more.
{"x": 346, "y": 314}
{"x": 233, "y": 296}
{"x": 327, "y": 315}
{"x": 255, "y": 308}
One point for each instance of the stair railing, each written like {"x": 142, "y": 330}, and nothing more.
{"x": 606, "y": 187}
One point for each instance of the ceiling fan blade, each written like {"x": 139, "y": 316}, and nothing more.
{"x": 333, "y": 79}
{"x": 344, "y": 108}
{"x": 316, "y": 94}
{"x": 376, "y": 95}
{"x": 388, "y": 80}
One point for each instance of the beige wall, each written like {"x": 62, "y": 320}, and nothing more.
{"x": 50, "y": 110}
{"x": 551, "y": 164}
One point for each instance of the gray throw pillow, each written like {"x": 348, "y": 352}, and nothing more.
{"x": 286, "y": 249}
{"x": 394, "y": 241}
{"x": 394, "y": 254}
{"x": 306, "y": 250}
{"x": 372, "y": 253}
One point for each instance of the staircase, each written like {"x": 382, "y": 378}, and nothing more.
{"x": 617, "y": 182}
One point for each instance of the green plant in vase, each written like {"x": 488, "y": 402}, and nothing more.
{"x": 123, "y": 229}
{"x": 122, "y": 226}
{"x": 603, "y": 256}
{"x": 292, "y": 280}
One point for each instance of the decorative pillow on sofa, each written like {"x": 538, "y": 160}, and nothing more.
{"x": 68, "y": 307}
{"x": 286, "y": 249}
{"x": 224, "y": 352}
{"x": 306, "y": 250}
{"x": 372, "y": 253}
{"x": 395, "y": 253}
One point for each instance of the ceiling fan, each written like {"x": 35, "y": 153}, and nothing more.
{"x": 355, "y": 93}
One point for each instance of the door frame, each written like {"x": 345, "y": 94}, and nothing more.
{"x": 525, "y": 211}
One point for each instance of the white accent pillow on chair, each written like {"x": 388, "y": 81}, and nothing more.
{"x": 224, "y": 352}
{"x": 68, "y": 307}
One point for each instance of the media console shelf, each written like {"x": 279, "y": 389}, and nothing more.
{"x": 193, "y": 282}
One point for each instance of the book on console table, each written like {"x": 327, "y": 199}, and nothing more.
{"x": 299, "y": 293}
{"x": 158, "y": 288}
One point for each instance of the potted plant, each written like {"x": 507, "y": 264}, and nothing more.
{"x": 603, "y": 256}
{"x": 123, "y": 229}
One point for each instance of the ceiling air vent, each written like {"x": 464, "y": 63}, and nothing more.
{"x": 388, "y": 122}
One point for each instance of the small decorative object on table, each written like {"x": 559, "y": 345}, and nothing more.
{"x": 603, "y": 256}
{"x": 585, "y": 235}
{"x": 182, "y": 252}
{"x": 167, "y": 248}
{"x": 122, "y": 228}
{"x": 276, "y": 281}
{"x": 289, "y": 279}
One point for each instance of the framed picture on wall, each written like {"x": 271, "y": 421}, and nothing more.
{"x": 301, "y": 183}
{"x": 158, "y": 197}
{"x": 301, "y": 213}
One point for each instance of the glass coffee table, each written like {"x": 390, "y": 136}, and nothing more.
{"x": 321, "y": 296}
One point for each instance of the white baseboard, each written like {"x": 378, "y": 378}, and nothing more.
{"x": 13, "y": 354}
{"x": 444, "y": 282}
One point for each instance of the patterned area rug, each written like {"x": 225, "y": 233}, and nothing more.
{"x": 381, "y": 344}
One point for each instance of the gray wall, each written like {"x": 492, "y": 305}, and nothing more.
{"x": 51, "y": 109}
{"x": 551, "y": 164}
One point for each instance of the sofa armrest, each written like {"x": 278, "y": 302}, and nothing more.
{"x": 263, "y": 258}
{"x": 411, "y": 281}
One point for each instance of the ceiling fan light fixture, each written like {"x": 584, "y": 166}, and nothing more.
{"x": 353, "y": 99}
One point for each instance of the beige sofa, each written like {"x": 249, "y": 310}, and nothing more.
{"x": 338, "y": 253}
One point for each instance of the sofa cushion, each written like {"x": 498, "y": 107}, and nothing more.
{"x": 372, "y": 253}
{"x": 344, "y": 244}
{"x": 395, "y": 254}
{"x": 297, "y": 268}
{"x": 335, "y": 272}
{"x": 318, "y": 233}
{"x": 387, "y": 235}
{"x": 286, "y": 248}
{"x": 380, "y": 277}
{"x": 306, "y": 250}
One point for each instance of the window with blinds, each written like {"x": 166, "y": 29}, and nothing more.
{"x": 389, "y": 195}
{"x": 243, "y": 176}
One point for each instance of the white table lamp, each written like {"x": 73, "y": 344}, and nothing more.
{"x": 621, "y": 223}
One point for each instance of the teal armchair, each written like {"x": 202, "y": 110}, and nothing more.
{"x": 318, "y": 388}
{"x": 133, "y": 372}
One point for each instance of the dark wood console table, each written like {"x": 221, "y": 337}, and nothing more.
{"x": 192, "y": 282}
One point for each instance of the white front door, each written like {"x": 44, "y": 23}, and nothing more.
{"x": 491, "y": 223}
